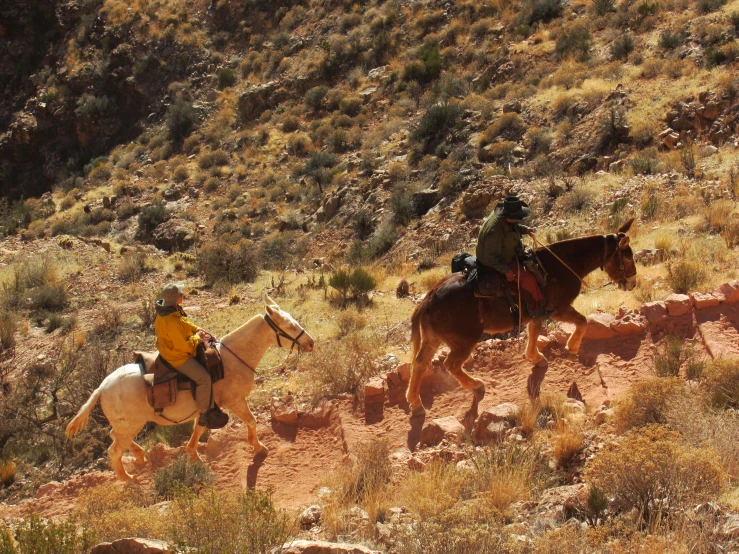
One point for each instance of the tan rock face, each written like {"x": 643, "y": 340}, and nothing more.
{"x": 284, "y": 410}
{"x": 323, "y": 547}
{"x": 655, "y": 312}
{"x": 132, "y": 546}
{"x": 374, "y": 388}
{"x": 677, "y": 304}
{"x": 599, "y": 326}
{"x": 701, "y": 300}
{"x": 728, "y": 292}
{"x": 442, "y": 428}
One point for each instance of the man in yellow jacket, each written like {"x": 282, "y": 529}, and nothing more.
{"x": 177, "y": 342}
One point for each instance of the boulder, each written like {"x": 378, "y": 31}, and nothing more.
{"x": 310, "y": 516}
{"x": 602, "y": 415}
{"x": 442, "y": 428}
{"x": 132, "y": 546}
{"x": 573, "y": 406}
{"x": 377, "y": 72}
{"x": 730, "y": 527}
{"x": 707, "y": 150}
{"x": 317, "y": 416}
{"x": 424, "y": 200}
{"x": 728, "y": 292}
{"x": 701, "y": 300}
{"x": 404, "y": 372}
{"x": 284, "y": 410}
{"x": 259, "y": 98}
{"x": 677, "y": 304}
{"x": 508, "y": 411}
{"x": 494, "y": 432}
{"x": 650, "y": 256}
{"x": 374, "y": 387}
{"x": 562, "y": 500}
{"x": 174, "y": 235}
{"x": 599, "y": 326}
{"x": 323, "y": 547}
{"x": 416, "y": 464}
{"x": 329, "y": 209}
{"x": 512, "y": 106}
{"x": 629, "y": 324}
{"x": 655, "y": 312}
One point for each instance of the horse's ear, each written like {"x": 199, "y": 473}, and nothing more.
{"x": 626, "y": 226}
{"x": 623, "y": 243}
{"x": 268, "y": 301}
{"x": 270, "y": 310}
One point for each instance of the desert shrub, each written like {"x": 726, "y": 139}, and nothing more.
{"x": 368, "y": 476}
{"x": 8, "y": 327}
{"x": 183, "y": 473}
{"x": 708, "y": 6}
{"x": 221, "y": 157}
{"x": 652, "y": 471}
{"x": 314, "y": 97}
{"x": 211, "y": 184}
{"x": 50, "y": 297}
{"x": 150, "y": 217}
{"x": 574, "y": 41}
{"x": 718, "y": 215}
{"x": 685, "y": 276}
{"x": 91, "y": 106}
{"x": 401, "y": 205}
{"x": 645, "y": 162}
{"x": 603, "y": 7}
{"x": 425, "y": 68}
{"x": 567, "y": 445}
{"x": 721, "y": 379}
{"x": 354, "y": 285}
{"x": 350, "y": 105}
{"x": 362, "y": 223}
{"x": 510, "y": 126}
{"x": 226, "y": 78}
{"x": 612, "y": 129}
{"x": 350, "y": 321}
{"x": 578, "y": 199}
{"x": 232, "y": 522}
{"x": 669, "y": 41}
{"x": 670, "y": 357}
{"x": 231, "y": 263}
{"x": 622, "y": 47}
{"x": 290, "y": 124}
{"x": 67, "y": 202}
{"x": 125, "y": 210}
{"x": 403, "y": 289}
{"x": 545, "y": 11}
{"x": 538, "y": 141}
{"x": 180, "y": 119}
{"x": 342, "y": 366}
{"x": 132, "y": 265}
{"x": 435, "y": 125}
{"x": 180, "y": 173}
{"x": 299, "y": 145}
{"x": 649, "y": 402}
{"x": 36, "y": 536}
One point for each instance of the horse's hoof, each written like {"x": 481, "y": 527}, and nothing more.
{"x": 542, "y": 363}
{"x": 479, "y": 393}
{"x": 261, "y": 451}
{"x": 419, "y": 411}
{"x": 125, "y": 477}
{"x": 141, "y": 461}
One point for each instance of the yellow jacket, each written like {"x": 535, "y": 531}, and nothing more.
{"x": 176, "y": 336}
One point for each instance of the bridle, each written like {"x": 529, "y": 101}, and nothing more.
{"x": 622, "y": 269}
{"x": 281, "y": 333}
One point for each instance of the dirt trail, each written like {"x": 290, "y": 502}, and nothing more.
{"x": 302, "y": 459}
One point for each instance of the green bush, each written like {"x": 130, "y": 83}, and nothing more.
{"x": 183, "y": 473}
{"x": 230, "y": 263}
{"x": 150, "y": 217}
{"x": 350, "y": 105}
{"x": 180, "y": 119}
{"x": 50, "y": 297}
{"x": 355, "y": 284}
{"x": 622, "y": 47}
{"x": 314, "y": 97}
{"x": 685, "y": 276}
{"x": 436, "y": 123}
{"x": 650, "y": 401}
{"x": 510, "y": 126}
{"x": 290, "y": 124}
{"x": 319, "y": 167}
{"x": 226, "y": 78}
{"x": 90, "y": 105}
{"x": 34, "y": 536}
{"x": 671, "y": 356}
{"x": 425, "y": 68}
{"x": 545, "y": 11}
{"x": 603, "y": 7}
{"x": 708, "y": 6}
{"x": 669, "y": 41}
{"x": 574, "y": 41}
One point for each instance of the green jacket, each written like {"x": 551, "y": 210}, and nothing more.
{"x": 498, "y": 241}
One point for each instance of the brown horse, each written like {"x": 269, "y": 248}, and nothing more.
{"x": 451, "y": 313}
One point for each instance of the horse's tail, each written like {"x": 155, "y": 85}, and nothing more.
{"x": 80, "y": 420}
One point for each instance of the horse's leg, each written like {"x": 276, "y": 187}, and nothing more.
{"x": 453, "y": 365}
{"x": 241, "y": 409}
{"x": 419, "y": 366}
{"x": 569, "y": 314}
{"x": 192, "y": 444}
{"x": 138, "y": 452}
{"x": 532, "y": 350}
{"x": 121, "y": 442}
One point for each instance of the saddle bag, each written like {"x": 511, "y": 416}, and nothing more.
{"x": 160, "y": 378}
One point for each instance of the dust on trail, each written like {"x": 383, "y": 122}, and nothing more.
{"x": 302, "y": 459}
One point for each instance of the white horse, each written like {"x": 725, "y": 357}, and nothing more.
{"x": 122, "y": 394}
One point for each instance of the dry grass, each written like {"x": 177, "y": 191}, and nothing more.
{"x": 568, "y": 443}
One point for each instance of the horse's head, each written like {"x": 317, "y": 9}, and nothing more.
{"x": 286, "y": 328}
{"x": 619, "y": 262}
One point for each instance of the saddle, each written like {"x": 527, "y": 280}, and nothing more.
{"x": 163, "y": 380}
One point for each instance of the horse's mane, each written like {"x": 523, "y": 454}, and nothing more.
{"x": 252, "y": 321}
{"x": 574, "y": 246}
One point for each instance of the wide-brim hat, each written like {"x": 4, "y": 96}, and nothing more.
{"x": 171, "y": 292}
{"x": 512, "y": 207}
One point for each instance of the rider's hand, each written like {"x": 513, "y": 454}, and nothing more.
{"x": 510, "y": 276}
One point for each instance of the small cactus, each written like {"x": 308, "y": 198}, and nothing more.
{"x": 403, "y": 289}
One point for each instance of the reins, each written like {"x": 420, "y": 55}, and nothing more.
{"x": 278, "y": 333}
{"x": 537, "y": 242}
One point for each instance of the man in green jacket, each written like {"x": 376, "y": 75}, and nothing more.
{"x": 499, "y": 247}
